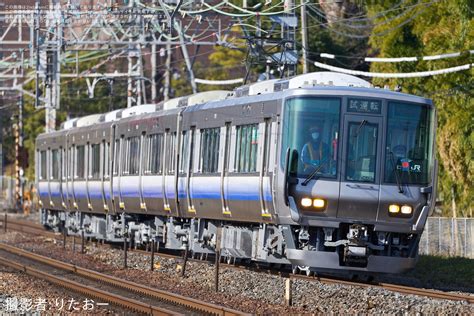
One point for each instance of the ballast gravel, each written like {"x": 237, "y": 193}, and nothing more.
{"x": 243, "y": 290}
{"x": 23, "y": 294}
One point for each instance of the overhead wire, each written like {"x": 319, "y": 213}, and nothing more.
{"x": 383, "y": 33}
{"x": 394, "y": 75}
{"x": 400, "y": 59}
{"x": 364, "y": 17}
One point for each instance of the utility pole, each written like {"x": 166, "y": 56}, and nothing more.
{"x": 37, "y": 51}
{"x": 18, "y": 133}
{"x": 304, "y": 37}
{"x": 154, "y": 94}
{"x": 167, "y": 88}
{"x": 53, "y": 62}
{"x": 130, "y": 64}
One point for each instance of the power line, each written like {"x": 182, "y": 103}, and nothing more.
{"x": 383, "y": 33}
{"x": 400, "y": 59}
{"x": 394, "y": 75}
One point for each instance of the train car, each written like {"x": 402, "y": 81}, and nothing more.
{"x": 320, "y": 172}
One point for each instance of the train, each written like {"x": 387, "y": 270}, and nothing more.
{"x": 320, "y": 172}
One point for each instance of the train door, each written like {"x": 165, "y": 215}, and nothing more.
{"x": 141, "y": 161}
{"x": 185, "y": 165}
{"x": 193, "y": 141}
{"x": 48, "y": 176}
{"x": 105, "y": 175}
{"x": 225, "y": 167}
{"x": 264, "y": 178}
{"x": 55, "y": 163}
{"x": 70, "y": 178}
{"x": 64, "y": 167}
{"x": 109, "y": 191}
{"x": 360, "y": 184}
{"x": 164, "y": 157}
{"x": 169, "y": 180}
{"x": 116, "y": 190}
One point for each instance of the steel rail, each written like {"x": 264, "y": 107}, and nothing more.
{"x": 180, "y": 300}
{"x": 115, "y": 299}
{"x": 326, "y": 279}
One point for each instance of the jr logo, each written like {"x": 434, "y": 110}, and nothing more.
{"x": 407, "y": 166}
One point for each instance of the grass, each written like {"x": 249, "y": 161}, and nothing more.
{"x": 449, "y": 273}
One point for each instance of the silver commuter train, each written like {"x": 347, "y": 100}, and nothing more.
{"x": 320, "y": 171}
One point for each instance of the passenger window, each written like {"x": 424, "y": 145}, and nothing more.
{"x": 170, "y": 152}
{"x": 361, "y": 152}
{"x": 210, "y": 138}
{"x": 94, "y": 170}
{"x": 125, "y": 155}
{"x": 228, "y": 130}
{"x": 80, "y": 162}
{"x": 43, "y": 174}
{"x": 154, "y": 154}
{"x": 266, "y": 149}
{"x": 184, "y": 161}
{"x": 55, "y": 164}
{"x": 71, "y": 163}
{"x": 106, "y": 164}
{"x": 63, "y": 164}
{"x": 116, "y": 161}
{"x": 246, "y": 147}
{"x": 132, "y": 164}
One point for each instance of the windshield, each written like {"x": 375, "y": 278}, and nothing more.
{"x": 361, "y": 151}
{"x": 409, "y": 143}
{"x": 311, "y": 127}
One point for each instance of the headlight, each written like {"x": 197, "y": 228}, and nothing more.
{"x": 397, "y": 210}
{"x": 406, "y": 209}
{"x": 306, "y": 202}
{"x": 394, "y": 209}
{"x": 319, "y": 203}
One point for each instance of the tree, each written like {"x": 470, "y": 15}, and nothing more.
{"x": 440, "y": 27}
{"x": 224, "y": 63}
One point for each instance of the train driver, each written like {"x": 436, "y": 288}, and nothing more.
{"x": 316, "y": 151}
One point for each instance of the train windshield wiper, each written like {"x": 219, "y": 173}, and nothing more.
{"x": 306, "y": 181}
{"x": 362, "y": 124}
{"x": 394, "y": 170}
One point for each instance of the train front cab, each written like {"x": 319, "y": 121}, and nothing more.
{"x": 356, "y": 173}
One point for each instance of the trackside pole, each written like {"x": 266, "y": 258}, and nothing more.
{"x": 73, "y": 243}
{"x": 5, "y": 223}
{"x": 152, "y": 266}
{"x": 185, "y": 260}
{"x": 82, "y": 241}
{"x": 64, "y": 237}
{"x": 218, "y": 258}
{"x": 288, "y": 292}
{"x": 125, "y": 252}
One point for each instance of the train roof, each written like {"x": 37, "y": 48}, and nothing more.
{"x": 313, "y": 83}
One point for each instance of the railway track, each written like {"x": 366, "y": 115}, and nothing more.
{"x": 36, "y": 228}
{"x": 127, "y": 303}
{"x": 184, "y": 305}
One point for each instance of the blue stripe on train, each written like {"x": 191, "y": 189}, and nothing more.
{"x": 211, "y": 191}
{"x": 208, "y": 195}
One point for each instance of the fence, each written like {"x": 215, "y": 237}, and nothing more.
{"x": 444, "y": 236}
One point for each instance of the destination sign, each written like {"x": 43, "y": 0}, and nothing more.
{"x": 364, "y": 106}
